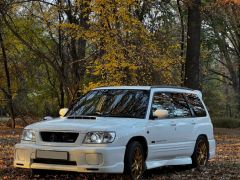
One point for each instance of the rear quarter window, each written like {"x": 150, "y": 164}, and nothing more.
{"x": 196, "y": 105}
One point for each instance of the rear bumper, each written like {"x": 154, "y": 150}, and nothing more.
{"x": 212, "y": 148}
{"x": 88, "y": 159}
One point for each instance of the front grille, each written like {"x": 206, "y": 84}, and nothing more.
{"x": 54, "y": 161}
{"x": 60, "y": 137}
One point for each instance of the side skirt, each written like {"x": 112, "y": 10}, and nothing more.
{"x": 176, "y": 161}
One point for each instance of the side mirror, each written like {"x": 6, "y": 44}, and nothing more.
{"x": 63, "y": 111}
{"x": 160, "y": 113}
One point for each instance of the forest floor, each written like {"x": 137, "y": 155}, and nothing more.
{"x": 226, "y": 165}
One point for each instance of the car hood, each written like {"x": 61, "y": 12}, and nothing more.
{"x": 86, "y": 125}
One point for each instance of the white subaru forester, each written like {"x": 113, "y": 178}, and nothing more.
{"x": 121, "y": 129}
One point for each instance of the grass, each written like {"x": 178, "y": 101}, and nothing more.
{"x": 226, "y": 122}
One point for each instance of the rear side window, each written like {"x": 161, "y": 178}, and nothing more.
{"x": 196, "y": 105}
{"x": 174, "y": 103}
{"x": 181, "y": 106}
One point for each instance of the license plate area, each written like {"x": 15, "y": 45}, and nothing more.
{"x": 45, "y": 154}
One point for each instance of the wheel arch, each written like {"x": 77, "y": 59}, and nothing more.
{"x": 206, "y": 137}
{"x": 203, "y": 135}
{"x": 194, "y": 155}
{"x": 142, "y": 140}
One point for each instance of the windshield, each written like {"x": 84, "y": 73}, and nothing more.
{"x": 112, "y": 103}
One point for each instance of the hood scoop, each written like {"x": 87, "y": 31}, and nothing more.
{"x": 81, "y": 117}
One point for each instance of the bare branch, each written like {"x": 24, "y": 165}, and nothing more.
{"x": 221, "y": 74}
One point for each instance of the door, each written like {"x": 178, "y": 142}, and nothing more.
{"x": 197, "y": 120}
{"x": 161, "y": 132}
{"x": 184, "y": 126}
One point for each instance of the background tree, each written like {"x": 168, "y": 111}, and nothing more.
{"x": 192, "y": 66}
{"x": 58, "y": 49}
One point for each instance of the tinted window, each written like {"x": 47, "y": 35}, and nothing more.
{"x": 174, "y": 103}
{"x": 181, "y": 106}
{"x": 196, "y": 105}
{"x": 163, "y": 101}
{"x": 112, "y": 103}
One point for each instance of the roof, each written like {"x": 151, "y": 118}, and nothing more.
{"x": 174, "y": 87}
{"x": 126, "y": 87}
{"x": 167, "y": 88}
{"x": 143, "y": 87}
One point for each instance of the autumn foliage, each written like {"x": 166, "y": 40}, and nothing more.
{"x": 58, "y": 50}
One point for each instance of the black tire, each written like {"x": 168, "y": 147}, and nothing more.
{"x": 135, "y": 171}
{"x": 201, "y": 152}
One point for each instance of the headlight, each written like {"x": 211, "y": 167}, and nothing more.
{"x": 28, "y": 135}
{"x": 99, "y": 137}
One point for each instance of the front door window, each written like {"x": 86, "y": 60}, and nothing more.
{"x": 174, "y": 103}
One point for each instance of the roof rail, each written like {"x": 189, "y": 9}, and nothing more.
{"x": 199, "y": 93}
{"x": 175, "y": 87}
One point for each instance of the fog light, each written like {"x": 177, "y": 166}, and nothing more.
{"x": 20, "y": 154}
{"x": 93, "y": 159}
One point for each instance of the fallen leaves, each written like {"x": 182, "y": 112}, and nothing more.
{"x": 226, "y": 165}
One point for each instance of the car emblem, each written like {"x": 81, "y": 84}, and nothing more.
{"x": 52, "y": 137}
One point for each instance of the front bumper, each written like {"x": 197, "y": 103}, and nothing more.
{"x": 88, "y": 159}
{"x": 212, "y": 148}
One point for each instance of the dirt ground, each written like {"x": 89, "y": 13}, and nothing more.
{"x": 226, "y": 165}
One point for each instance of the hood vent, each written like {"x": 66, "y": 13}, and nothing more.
{"x": 81, "y": 117}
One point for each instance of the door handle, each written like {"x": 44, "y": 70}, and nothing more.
{"x": 173, "y": 124}
{"x": 193, "y": 123}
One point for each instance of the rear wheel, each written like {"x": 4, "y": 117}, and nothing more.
{"x": 134, "y": 160}
{"x": 201, "y": 152}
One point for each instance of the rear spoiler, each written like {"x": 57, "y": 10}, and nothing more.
{"x": 199, "y": 93}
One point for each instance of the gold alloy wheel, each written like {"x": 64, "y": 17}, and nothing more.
{"x": 137, "y": 163}
{"x": 202, "y": 153}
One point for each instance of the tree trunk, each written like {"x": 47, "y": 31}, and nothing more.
{"x": 8, "y": 92}
{"x": 82, "y": 43}
{"x": 61, "y": 88}
{"x": 60, "y": 52}
{"x": 182, "y": 40}
{"x": 192, "y": 66}
{"x": 238, "y": 86}
{"x": 82, "y": 55}
{"x": 78, "y": 46}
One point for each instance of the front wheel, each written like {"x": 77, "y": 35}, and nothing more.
{"x": 201, "y": 153}
{"x": 134, "y": 160}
